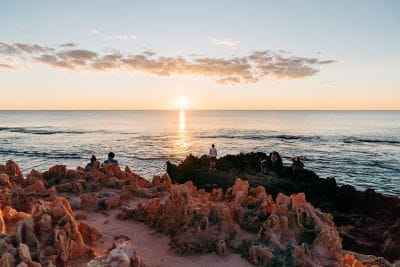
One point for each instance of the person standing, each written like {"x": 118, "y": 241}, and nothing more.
{"x": 213, "y": 157}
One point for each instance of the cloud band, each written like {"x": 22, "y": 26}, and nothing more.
{"x": 252, "y": 68}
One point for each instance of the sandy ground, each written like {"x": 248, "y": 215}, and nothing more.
{"x": 152, "y": 247}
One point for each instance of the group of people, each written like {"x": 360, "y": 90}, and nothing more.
{"x": 273, "y": 162}
{"x": 95, "y": 164}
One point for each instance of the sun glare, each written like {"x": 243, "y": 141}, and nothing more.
{"x": 182, "y": 103}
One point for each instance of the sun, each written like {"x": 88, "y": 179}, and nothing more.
{"x": 182, "y": 102}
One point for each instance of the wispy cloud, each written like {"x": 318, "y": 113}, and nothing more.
{"x": 95, "y": 32}
{"x": 121, "y": 37}
{"x": 69, "y": 44}
{"x": 251, "y": 68}
{"x": 6, "y": 66}
{"x": 227, "y": 42}
{"x": 18, "y": 48}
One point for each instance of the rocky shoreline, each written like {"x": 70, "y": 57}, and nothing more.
{"x": 368, "y": 222}
{"x": 65, "y": 217}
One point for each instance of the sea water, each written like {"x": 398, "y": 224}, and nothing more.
{"x": 361, "y": 148}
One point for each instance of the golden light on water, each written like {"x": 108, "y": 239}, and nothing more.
{"x": 182, "y": 120}
{"x": 181, "y": 142}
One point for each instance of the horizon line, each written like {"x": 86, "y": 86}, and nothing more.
{"x": 201, "y": 109}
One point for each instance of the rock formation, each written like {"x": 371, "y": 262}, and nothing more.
{"x": 122, "y": 254}
{"x": 391, "y": 245}
{"x": 49, "y": 235}
{"x": 38, "y": 227}
{"x": 362, "y": 218}
{"x": 247, "y": 220}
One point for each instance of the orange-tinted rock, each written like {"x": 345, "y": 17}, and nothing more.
{"x": 79, "y": 168}
{"x": 267, "y": 206}
{"x": 34, "y": 174}
{"x": 112, "y": 202}
{"x": 2, "y": 223}
{"x": 127, "y": 169}
{"x": 55, "y": 174}
{"x": 308, "y": 234}
{"x": 162, "y": 182}
{"x": 239, "y": 186}
{"x": 50, "y": 235}
{"x": 289, "y": 231}
{"x": 55, "y": 219}
{"x": 78, "y": 186}
{"x": 89, "y": 234}
{"x": 20, "y": 197}
{"x": 111, "y": 170}
{"x": 89, "y": 202}
{"x": 352, "y": 259}
{"x": 113, "y": 182}
{"x": 12, "y": 169}
{"x": 4, "y": 180}
{"x": 12, "y": 217}
{"x": 96, "y": 177}
{"x": 217, "y": 194}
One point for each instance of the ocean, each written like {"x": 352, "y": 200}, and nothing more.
{"x": 361, "y": 148}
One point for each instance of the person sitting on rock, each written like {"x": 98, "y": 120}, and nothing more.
{"x": 111, "y": 159}
{"x": 297, "y": 167}
{"x": 276, "y": 161}
{"x": 94, "y": 164}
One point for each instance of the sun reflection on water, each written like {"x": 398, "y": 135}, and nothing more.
{"x": 182, "y": 120}
{"x": 181, "y": 142}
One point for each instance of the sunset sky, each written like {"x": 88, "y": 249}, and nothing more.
{"x": 200, "y": 54}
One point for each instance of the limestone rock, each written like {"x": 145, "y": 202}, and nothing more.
{"x": 89, "y": 234}
{"x": 295, "y": 228}
{"x": 13, "y": 170}
{"x": 122, "y": 254}
{"x": 49, "y": 235}
{"x": 12, "y": 217}
{"x": 89, "y": 202}
{"x": 4, "y": 180}
{"x": 290, "y": 231}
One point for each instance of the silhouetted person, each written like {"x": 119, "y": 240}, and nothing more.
{"x": 111, "y": 159}
{"x": 275, "y": 161}
{"x": 94, "y": 164}
{"x": 264, "y": 165}
{"x": 213, "y": 157}
{"x": 297, "y": 167}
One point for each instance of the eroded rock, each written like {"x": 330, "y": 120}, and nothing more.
{"x": 289, "y": 231}
{"x": 122, "y": 254}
